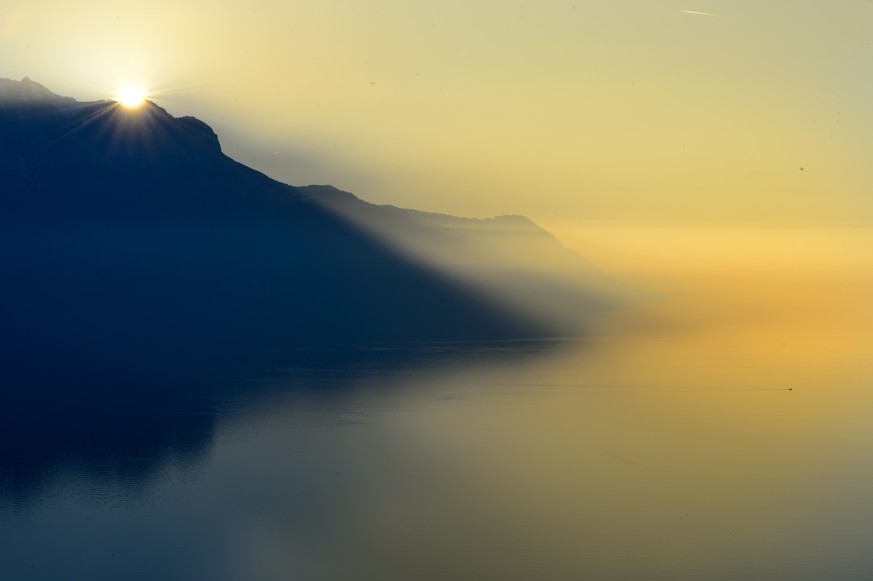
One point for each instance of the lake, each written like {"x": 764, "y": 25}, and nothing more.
{"x": 719, "y": 430}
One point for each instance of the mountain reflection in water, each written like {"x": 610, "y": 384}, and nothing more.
{"x": 124, "y": 428}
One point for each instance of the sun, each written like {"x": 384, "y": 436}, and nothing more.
{"x": 131, "y": 97}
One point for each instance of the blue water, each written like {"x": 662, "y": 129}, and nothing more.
{"x": 624, "y": 456}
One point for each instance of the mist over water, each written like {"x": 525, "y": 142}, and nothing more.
{"x": 719, "y": 430}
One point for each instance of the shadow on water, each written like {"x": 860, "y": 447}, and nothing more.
{"x": 121, "y": 429}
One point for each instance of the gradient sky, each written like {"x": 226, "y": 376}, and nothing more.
{"x": 670, "y": 112}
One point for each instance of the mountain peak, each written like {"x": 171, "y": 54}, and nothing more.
{"x": 46, "y": 139}
{"x": 28, "y": 91}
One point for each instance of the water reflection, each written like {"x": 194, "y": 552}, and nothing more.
{"x": 124, "y": 429}
{"x": 720, "y": 435}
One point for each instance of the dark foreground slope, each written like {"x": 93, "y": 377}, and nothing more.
{"x": 128, "y": 240}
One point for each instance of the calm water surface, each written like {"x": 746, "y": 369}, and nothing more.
{"x": 706, "y": 436}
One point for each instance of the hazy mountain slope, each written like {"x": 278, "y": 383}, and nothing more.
{"x": 509, "y": 258}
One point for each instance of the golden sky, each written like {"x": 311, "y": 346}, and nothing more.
{"x": 654, "y": 111}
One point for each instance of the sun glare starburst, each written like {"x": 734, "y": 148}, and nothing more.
{"x": 131, "y": 96}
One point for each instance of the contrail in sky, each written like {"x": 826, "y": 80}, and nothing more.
{"x": 698, "y": 13}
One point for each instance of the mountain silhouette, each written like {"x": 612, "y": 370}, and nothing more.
{"x": 129, "y": 241}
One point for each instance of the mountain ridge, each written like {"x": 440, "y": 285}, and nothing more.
{"x": 131, "y": 241}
